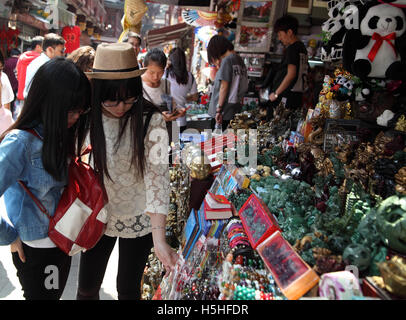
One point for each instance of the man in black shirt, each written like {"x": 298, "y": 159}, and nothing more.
{"x": 289, "y": 79}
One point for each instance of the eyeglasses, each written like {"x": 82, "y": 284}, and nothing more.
{"x": 113, "y": 104}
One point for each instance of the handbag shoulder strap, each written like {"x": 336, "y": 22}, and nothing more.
{"x": 24, "y": 186}
{"x": 166, "y": 86}
{"x": 35, "y": 199}
{"x": 33, "y": 132}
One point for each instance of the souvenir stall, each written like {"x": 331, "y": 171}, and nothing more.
{"x": 305, "y": 206}
{"x": 207, "y": 23}
{"x": 248, "y": 24}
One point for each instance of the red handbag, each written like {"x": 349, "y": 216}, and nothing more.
{"x": 80, "y": 218}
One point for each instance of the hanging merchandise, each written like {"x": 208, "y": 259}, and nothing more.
{"x": 72, "y": 38}
{"x": 134, "y": 10}
{"x": 205, "y": 33}
{"x": 218, "y": 19}
{"x": 9, "y": 37}
{"x": 374, "y": 51}
{"x": 81, "y": 21}
{"x": 333, "y": 31}
{"x": 89, "y": 28}
{"x": 199, "y": 18}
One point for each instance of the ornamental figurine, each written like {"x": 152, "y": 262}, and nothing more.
{"x": 400, "y": 179}
{"x": 391, "y": 222}
{"x": 394, "y": 275}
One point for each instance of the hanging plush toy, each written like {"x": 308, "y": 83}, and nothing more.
{"x": 333, "y": 31}
{"x": 374, "y": 51}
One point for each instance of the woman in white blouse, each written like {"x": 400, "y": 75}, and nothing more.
{"x": 157, "y": 89}
{"x": 183, "y": 84}
{"x": 129, "y": 140}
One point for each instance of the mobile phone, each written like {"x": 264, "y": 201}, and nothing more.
{"x": 175, "y": 112}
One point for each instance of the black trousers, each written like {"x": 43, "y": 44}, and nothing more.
{"x": 133, "y": 255}
{"x": 44, "y": 274}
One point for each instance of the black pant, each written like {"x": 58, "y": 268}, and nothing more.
{"x": 44, "y": 274}
{"x": 133, "y": 255}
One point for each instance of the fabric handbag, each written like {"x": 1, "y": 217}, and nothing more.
{"x": 80, "y": 218}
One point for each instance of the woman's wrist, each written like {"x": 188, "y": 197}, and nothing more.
{"x": 158, "y": 228}
{"x": 158, "y": 234}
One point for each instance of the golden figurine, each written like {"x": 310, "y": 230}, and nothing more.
{"x": 400, "y": 179}
{"x": 401, "y": 124}
{"x": 394, "y": 275}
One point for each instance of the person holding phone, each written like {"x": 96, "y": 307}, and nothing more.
{"x": 156, "y": 89}
{"x": 183, "y": 84}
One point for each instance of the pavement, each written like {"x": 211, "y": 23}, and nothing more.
{"x": 10, "y": 288}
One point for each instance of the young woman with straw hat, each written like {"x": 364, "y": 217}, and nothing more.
{"x": 130, "y": 143}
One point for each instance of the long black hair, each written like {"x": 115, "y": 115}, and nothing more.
{"x": 57, "y": 88}
{"x": 119, "y": 90}
{"x": 177, "y": 68}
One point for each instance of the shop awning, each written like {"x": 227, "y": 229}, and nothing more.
{"x": 158, "y": 37}
{"x": 34, "y": 21}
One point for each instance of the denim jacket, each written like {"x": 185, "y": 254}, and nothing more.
{"x": 20, "y": 159}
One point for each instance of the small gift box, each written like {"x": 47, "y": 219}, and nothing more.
{"x": 293, "y": 276}
{"x": 258, "y": 221}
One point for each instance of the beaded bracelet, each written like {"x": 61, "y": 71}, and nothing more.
{"x": 232, "y": 222}
{"x": 237, "y": 235}
{"x": 237, "y": 241}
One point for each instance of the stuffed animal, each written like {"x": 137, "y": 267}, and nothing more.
{"x": 334, "y": 33}
{"x": 373, "y": 51}
{"x": 351, "y": 15}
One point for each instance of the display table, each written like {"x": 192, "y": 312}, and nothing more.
{"x": 199, "y": 121}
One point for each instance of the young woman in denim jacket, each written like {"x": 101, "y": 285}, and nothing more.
{"x": 59, "y": 95}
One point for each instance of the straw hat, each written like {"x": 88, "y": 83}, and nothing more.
{"x": 114, "y": 61}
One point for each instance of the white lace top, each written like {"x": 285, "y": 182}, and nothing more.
{"x": 130, "y": 197}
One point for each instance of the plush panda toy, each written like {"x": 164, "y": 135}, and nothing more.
{"x": 375, "y": 50}
{"x": 334, "y": 32}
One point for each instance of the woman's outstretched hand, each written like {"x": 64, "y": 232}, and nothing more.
{"x": 166, "y": 255}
